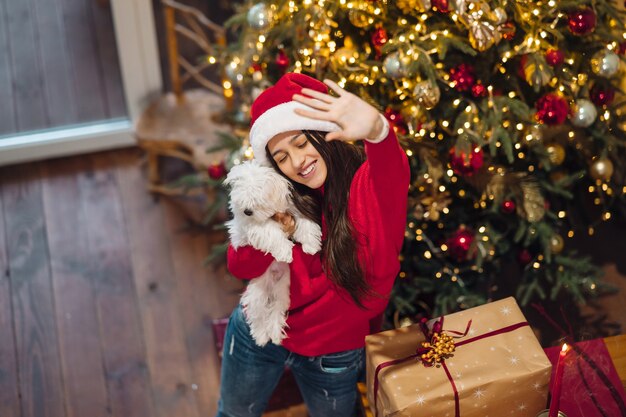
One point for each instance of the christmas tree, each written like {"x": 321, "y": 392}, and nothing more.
{"x": 510, "y": 113}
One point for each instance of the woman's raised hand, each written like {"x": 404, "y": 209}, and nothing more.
{"x": 357, "y": 119}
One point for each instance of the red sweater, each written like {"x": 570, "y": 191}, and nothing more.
{"x": 323, "y": 318}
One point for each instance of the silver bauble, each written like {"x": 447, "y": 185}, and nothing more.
{"x": 605, "y": 63}
{"x": 427, "y": 94}
{"x": 259, "y": 16}
{"x": 394, "y": 65}
{"x": 584, "y": 113}
{"x": 234, "y": 71}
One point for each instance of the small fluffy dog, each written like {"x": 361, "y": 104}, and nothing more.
{"x": 257, "y": 193}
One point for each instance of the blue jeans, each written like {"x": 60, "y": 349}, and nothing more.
{"x": 250, "y": 373}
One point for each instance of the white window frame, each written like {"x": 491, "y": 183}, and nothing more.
{"x": 138, "y": 53}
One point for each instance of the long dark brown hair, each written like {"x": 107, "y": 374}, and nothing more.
{"x": 339, "y": 250}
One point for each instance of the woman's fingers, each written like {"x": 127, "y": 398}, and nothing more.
{"x": 326, "y": 98}
{"x": 334, "y": 135}
{"x": 311, "y": 102}
{"x": 335, "y": 87}
{"x": 317, "y": 115}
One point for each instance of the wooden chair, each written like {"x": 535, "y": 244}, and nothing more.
{"x": 181, "y": 124}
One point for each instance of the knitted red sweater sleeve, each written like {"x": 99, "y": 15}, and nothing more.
{"x": 247, "y": 262}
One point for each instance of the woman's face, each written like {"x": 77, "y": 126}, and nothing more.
{"x": 298, "y": 159}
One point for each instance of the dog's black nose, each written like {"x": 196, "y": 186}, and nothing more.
{"x": 247, "y": 212}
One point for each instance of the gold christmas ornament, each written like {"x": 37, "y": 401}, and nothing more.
{"x": 499, "y": 15}
{"x": 556, "y": 153}
{"x": 601, "y": 169}
{"x": 361, "y": 15}
{"x": 537, "y": 72}
{"x": 427, "y": 94}
{"x": 533, "y": 204}
{"x": 483, "y": 35}
{"x": 413, "y": 6}
{"x": 556, "y": 244}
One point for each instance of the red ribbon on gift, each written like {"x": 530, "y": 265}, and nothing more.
{"x": 437, "y": 328}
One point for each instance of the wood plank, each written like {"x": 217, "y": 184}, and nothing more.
{"x": 9, "y": 400}
{"x": 27, "y": 78}
{"x": 7, "y": 110}
{"x": 115, "y": 104}
{"x": 616, "y": 345}
{"x": 58, "y": 86}
{"x": 86, "y": 74}
{"x": 128, "y": 380}
{"x": 155, "y": 282}
{"x": 197, "y": 286}
{"x": 71, "y": 264}
{"x": 40, "y": 382}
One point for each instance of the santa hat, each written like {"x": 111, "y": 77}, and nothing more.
{"x": 273, "y": 112}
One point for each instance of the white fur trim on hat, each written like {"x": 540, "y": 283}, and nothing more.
{"x": 282, "y": 118}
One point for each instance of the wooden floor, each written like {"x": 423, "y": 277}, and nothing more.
{"x": 105, "y": 307}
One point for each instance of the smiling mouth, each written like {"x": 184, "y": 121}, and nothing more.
{"x": 309, "y": 170}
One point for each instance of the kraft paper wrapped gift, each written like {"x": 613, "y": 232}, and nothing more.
{"x": 497, "y": 368}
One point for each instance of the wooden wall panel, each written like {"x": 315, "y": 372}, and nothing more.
{"x": 7, "y": 108}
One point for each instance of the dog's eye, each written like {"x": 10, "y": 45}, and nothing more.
{"x": 247, "y": 212}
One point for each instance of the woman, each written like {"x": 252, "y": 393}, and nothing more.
{"x": 360, "y": 201}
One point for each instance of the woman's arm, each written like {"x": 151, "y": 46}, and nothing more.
{"x": 247, "y": 262}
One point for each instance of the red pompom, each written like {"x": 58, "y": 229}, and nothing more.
{"x": 217, "y": 171}
{"x": 602, "y": 96}
{"x": 554, "y": 57}
{"x": 463, "y": 77}
{"x": 552, "y": 109}
{"x": 582, "y": 21}
{"x": 459, "y": 244}
{"x": 464, "y": 163}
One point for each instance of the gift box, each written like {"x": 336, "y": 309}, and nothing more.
{"x": 591, "y": 386}
{"x": 496, "y": 367}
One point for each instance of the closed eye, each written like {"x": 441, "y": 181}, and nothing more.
{"x": 303, "y": 144}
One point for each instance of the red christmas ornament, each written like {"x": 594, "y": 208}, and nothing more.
{"x": 441, "y": 6}
{"x": 282, "y": 60}
{"x": 552, "y": 109}
{"x": 379, "y": 38}
{"x": 217, "y": 171}
{"x": 602, "y": 95}
{"x": 554, "y": 57}
{"x": 508, "y": 206}
{"x": 396, "y": 120}
{"x": 621, "y": 48}
{"x": 508, "y": 30}
{"x": 479, "y": 90}
{"x": 257, "y": 67}
{"x": 459, "y": 244}
{"x": 464, "y": 163}
{"x": 582, "y": 21}
{"x": 463, "y": 77}
{"x": 524, "y": 257}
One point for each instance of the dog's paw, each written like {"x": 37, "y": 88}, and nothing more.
{"x": 311, "y": 247}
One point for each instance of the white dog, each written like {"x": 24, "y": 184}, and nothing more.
{"x": 256, "y": 194}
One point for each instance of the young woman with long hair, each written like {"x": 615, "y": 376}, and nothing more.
{"x": 359, "y": 198}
